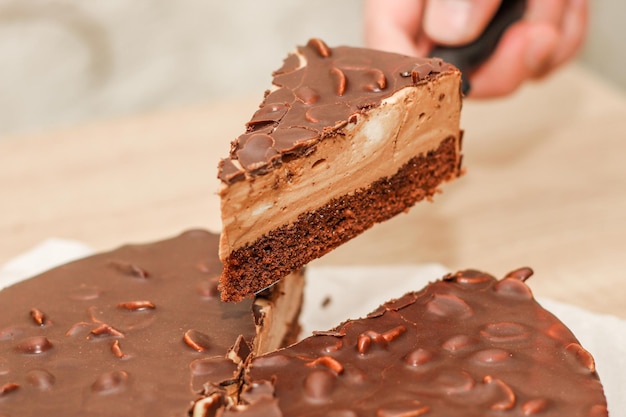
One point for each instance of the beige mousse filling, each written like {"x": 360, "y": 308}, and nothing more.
{"x": 414, "y": 121}
{"x": 279, "y": 313}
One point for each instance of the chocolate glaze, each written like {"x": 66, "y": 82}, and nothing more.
{"x": 317, "y": 99}
{"x": 136, "y": 331}
{"x": 467, "y": 345}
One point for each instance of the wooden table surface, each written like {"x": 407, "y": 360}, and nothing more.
{"x": 545, "y": 187}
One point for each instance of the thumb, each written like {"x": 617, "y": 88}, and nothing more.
{"x": 457, "y": 22}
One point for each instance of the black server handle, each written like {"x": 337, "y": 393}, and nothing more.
{"x": 469, "y": 57}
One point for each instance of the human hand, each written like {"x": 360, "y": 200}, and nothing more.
{"x": 550, "y": 33}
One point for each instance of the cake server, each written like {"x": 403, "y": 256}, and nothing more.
{"x": 470, "y": 56}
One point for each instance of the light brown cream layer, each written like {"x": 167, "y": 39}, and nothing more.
{"x": 412, "y": 122}
{"x": 279, "y": 313}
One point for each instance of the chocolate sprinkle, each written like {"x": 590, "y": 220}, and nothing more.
{"x": 8, "y": 388}
{"x": 117, "y": 350}
{"x": 196, "y": 340}
{"x": 38, "y": 317}
{"x": 137, "y": 305}
{"x": 106, "y": 330}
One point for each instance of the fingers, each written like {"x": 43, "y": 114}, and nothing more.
{"x": 551, "y": 34}
{"x": 524, "y": 51}
{"x": 573, "y": 31}
{"x": 394, "y": 26}
{"x": 457, "y": 22}
{"x": 546, "y": 11}
{"x": 569, "y": 18}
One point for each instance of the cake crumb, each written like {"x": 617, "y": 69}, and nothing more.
{"x": 326, "y": 301}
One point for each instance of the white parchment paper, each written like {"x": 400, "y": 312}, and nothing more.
{"x": 604, "y": 336}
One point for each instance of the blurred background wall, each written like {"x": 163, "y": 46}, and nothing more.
{"x": 64, "y": 62}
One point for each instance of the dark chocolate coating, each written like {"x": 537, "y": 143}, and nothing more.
{"x": 318, "y": 99}
{"x": 468, "y": 345}
{"x": 139, "y": 331}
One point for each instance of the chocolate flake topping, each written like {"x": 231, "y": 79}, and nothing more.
{"x": 329, "y": 362}
{"x": 8, "y": 388}
{"x": 38, "y": 317}
{"x": 196, "y": 340}
{"x": 521, "y": 273}
{"x": 137, "y": 305}
{"x": 106, "y": 330}
{"x": 318, "y": 91}
{"x": 117, "y": 350}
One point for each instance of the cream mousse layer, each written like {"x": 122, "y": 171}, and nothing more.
{"x": 373, "y": 145}
{"x": 276, "y": 314}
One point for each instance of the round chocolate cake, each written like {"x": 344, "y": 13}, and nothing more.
{"x": 142, "y": 331}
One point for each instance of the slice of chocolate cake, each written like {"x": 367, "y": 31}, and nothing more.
{"x": 468, "y": 345}
{"x": 139, "y": 331}
{"x": 346, "y": 138}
